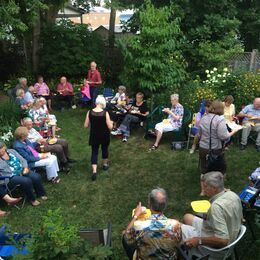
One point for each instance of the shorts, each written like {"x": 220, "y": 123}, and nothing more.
{"x": 163, "y": 128}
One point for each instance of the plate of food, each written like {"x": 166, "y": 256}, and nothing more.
{"x": 52, "y": 141}
{"x": 146, "y": 213}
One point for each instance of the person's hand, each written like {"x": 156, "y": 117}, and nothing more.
{"x": 249, "y": 115}
{"x": 25, "y": 170}
{"x": 43, "y": 155}
{"x": 138, "y": 209}
{"x": 192, "y": 242}
{"x": 166, "y": 110}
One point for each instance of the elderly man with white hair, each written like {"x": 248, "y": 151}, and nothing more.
{"x": 251, "y": 122}
{"x": 155, "y": 237}
{"x": 29, "y": 95}
{"x": 60, "y": 148}
{"x": 22, "y": 84}
{"x": 222, "y": 223}
{"x": 94, "y": 80}
{"x": 173, "y": 122}
{"x": 65, "y": 92}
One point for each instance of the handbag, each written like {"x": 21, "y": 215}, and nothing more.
{"x": 215, "y": 162}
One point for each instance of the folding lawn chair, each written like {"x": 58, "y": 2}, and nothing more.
{"x": 12, "y": 244}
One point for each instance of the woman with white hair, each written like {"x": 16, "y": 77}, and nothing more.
{"x": 100, "y": 126}
{"x": 172, "y": 123}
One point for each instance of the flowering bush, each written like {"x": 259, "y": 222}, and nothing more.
{"x": 6, "y": 134}
{"x": 243, "y": 86}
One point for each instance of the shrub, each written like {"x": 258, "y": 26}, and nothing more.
{"x": 56, "y": 240}
{"x": 68, "y": 49}
{"x": 9, "y": 120}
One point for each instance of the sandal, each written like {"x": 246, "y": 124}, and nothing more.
{"x": 154, "y": 147}
{"x": 55, "y": 180}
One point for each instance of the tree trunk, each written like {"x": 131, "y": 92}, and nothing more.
{"x": 36, "y": 45}
{"x": 112, "y": 21}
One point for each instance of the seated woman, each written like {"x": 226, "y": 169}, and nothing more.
{"x": 65, "y": 92}
{"x": 15, "y": 166}
{"x": 174, "y": 121}
{"x": 43, "y": 90}
{"x": 28, "y": 151}
{"x": 120, "y": 97}
{"x": 137, "y": 113}
{"x": 20, "y": 101}
{"x": 85, "y": 91}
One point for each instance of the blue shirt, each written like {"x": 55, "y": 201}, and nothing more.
{"x": 251, "y": 110}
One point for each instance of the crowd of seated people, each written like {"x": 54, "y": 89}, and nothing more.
{"x": 36, "y": 147}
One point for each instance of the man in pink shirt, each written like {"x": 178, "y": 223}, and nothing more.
{"x": 65, "y": 91}
{"x": 94, "y": 80}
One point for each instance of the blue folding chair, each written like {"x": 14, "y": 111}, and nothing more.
{"x": 12, "y": 244}
{"x": 108, "y": 93}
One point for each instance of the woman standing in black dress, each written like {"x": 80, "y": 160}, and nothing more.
{"x": 100, "y": 126}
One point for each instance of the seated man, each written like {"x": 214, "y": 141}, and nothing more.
{"x": 222, "y": 223}
{"x": 251, "y": 121}
{"x": 137, "y": 113}
{"x": 174, "y": 121}
{"x": 65, "y": 91}
{"x": 22, "y": 84}
{"x": 61, "y": 148}
{"x": 29, "y": 95}
{"x": 156, "y": 237}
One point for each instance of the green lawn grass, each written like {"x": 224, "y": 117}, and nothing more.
{"x": 133, "y": 173}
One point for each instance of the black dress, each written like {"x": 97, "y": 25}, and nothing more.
{"x": 99, "y": 132}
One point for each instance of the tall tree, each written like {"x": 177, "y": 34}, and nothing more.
{"x": 153, "y": 59}
{"x": 249, "y": 15}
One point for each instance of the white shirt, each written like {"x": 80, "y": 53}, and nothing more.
{"x": 34, "y": 135}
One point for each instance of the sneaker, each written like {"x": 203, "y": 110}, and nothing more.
{"x": 105, "y": 167}
{"x": 116, "y": 132}
{"x": 242, "y": 147}
{"x": 124, "y": 139}
{"x": 94, "y": 176}
{"x": 192, "y": 151}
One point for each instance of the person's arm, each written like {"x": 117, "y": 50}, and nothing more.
{"x": 244, "y": 113}
{"x": 87, "y": 122}
{"x": 213, "y": 241}
{"x": 109, "y": 122}
{"x": 70, "y": 88}
{"x": 222, "y": 131}
{"x": 26, "y": 155}
{"x": 137, "y": 212}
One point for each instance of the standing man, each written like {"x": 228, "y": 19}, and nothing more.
{"x": 251, "y": 122}
{"x": 94, "y": 80}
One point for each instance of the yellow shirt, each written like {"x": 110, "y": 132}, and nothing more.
{"x": 229, "y": 112}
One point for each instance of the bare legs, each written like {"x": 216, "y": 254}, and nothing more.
{"x": 158, "y": 138}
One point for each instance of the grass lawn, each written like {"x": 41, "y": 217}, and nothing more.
{"x": 133, "y": 173}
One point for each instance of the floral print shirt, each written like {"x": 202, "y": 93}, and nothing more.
{"x": 155, "y": 238}
{"x": 179, "y": 111}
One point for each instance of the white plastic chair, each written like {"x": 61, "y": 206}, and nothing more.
{"x": 229, "y": 248}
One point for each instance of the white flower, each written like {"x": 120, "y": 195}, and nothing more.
{"x": 214, "y": 78}
{"x": 211, "y": 71}
{"x": 207, "y": 81}
{"x": 207, "y": 71}
{"x": 225, "y": 69}
{"x": 5, "y": 137}
{"x": 215, "y": 69}
{"x": 224, "y": 81}
{"x": 224, "y": 75}
{"x": 219, "y": 76}
{"x": 228, "y": 74}
{"x": 208, "y": 75}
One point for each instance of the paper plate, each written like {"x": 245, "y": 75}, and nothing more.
{"x": 144, "y": 215}
{"x": 200, "y": 206}
{"x": 52, "y": 141}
